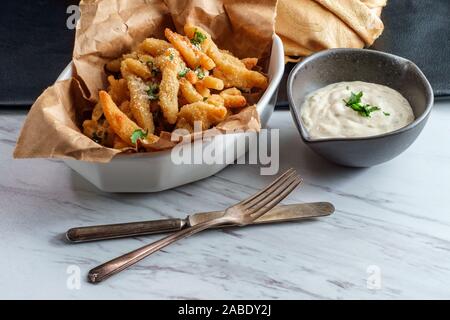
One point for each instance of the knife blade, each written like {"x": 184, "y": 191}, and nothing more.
{"x": 282, "y": 213}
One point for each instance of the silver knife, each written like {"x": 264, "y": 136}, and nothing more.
{"x": 283, "y": 213}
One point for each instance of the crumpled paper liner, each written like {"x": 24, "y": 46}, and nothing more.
{"x": 109, "y": 28}
{"x": 308, "y": 26}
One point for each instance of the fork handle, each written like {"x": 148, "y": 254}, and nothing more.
{"x": 118, "y": 264}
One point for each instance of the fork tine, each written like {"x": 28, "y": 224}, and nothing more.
{"x": 267, "y": 191}
{"x": 275, "y": 200}
{"x": 275, "y": 182}
{"x": 269, "y": 196}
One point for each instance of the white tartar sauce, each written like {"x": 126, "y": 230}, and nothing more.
{"x": 326, "y": 114}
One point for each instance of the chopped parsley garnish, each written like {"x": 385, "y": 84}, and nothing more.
{"x": 198, "y": 38}
{"x": 153, "y": 91}
{"x": 205, "y": 98}
{"x": 171, "y": 56}
{"x": 354, "y": 102}
{"x": 138, "y": 135}
{"x": 200, "y": 73}
{"x": 354, "y": 99}
{"x": 387, "y": 114}
{"x": 183, "y": 72}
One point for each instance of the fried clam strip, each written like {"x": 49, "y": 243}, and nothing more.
{"x": 212, "y": 83}
{"x": 153, "y": 46}
{"x": 250, "y": 63}
{"x": 230, "y": 69}
{"x": 123, "y": 126}
{"x": 182, "y": 123}
{"x": 233, "y": 98}
{"x": 189, "y": 92}
{"x": 170, "y": 64}
{"x": 206, "y": 113}
{"x": 140, "y": 103}
{"x": 202, "y": 89}
{"x": 118, "y": 90}
{"x": 192, "y": 54}
{"x": 191, "y": 76}
{"x": 216, "y": 100}
{"x": 114, "y": 65}
{"x": 136, "y": 67}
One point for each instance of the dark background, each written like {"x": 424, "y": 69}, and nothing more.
{"x": 35, "y": 47}
{"x": 36, "y": 44}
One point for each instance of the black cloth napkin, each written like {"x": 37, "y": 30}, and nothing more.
{"x": 35, "y": 46}
{"x": 419, "y": 30}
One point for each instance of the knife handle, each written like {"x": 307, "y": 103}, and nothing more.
{"x": 112, "y": 231}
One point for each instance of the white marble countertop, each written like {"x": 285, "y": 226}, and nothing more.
{"x": 391, "y": 229}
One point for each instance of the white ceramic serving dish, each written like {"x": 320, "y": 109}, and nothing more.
{"x": 152, "y": 172}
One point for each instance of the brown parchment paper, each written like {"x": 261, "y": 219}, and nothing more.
{"x": 308, "y": 26}
{"x": 109, "y": 28}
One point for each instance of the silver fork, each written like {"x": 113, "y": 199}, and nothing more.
{"x": 240, "y": 214}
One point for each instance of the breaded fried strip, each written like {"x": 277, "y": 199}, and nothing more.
{"x": 216, "y": 100}
{"x": 189, "y": 93}
{"x": 235, "y": 76}
{"x": 133, "y": 66}
{"x": 207, "y": 114}
{"x": 182, "y": 123}
{"x": 250, "y": 63}
{"x": 233, "y": 98}
{"x": 125, "y": 108}
{"x": 140, "y": 103}
{"x": 190, "y": 31}
{"x": 170, "y": 64}
{"x": 153, "y": 46}
{"x": 114, "y": 65}
{"x": 193, "y": 56}
{"x": 230, "y": 69}
{"x": 200, "y": 87}
{"x": 120, "y": 123}
{"x": 191, "y": 76}
{"x": 212, "y": 83}
{"x": 118, "y": 90}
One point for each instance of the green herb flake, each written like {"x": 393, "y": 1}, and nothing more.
{"x": 138, "y": 135}
{"x": 183, "y": 73}
{"x": 171, "y": 56}
{"x": 200, "y": 73}
{"x": 355, "y": 98}
{"x": 198, "y": 38}
{"x": 354, "y": 102}
{"x": 387, "y": 114}
{"x": 205, "y": 98}
{"x": 153, "y": 91}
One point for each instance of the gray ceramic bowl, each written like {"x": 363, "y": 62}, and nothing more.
{"x": 338, "y": 65}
